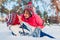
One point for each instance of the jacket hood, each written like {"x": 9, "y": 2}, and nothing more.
{"x": 30, "y": 10}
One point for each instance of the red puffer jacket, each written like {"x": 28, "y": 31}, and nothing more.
{"x": 35, "y": 20}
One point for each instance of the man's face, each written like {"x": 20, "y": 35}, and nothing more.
{"x": 26, "y": 14}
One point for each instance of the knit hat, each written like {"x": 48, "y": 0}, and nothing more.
{"x": 29, "y": 5}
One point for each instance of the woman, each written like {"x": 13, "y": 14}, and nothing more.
{"x": 31, "y": 20}
{"x": 32, "y": 23}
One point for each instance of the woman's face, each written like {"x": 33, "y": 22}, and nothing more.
{"x": 26, "y": 14}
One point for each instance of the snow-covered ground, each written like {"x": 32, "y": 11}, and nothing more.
{"x": 54, "y": 30}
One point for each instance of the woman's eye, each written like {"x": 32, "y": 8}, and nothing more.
{"x": 30, "y": 7}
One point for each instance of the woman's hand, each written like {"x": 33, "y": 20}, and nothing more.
{"x": 19, "y": 18}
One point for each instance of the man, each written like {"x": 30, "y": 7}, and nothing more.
{"x": 13, "y": 23}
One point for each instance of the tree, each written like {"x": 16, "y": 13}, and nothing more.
{"x": 1, "y": 7}
{"x": 45, "y": 16}
{"x": 39, "y": 13}
{"x": 56, "y": 5}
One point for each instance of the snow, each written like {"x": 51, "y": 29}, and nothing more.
{"x": 54, "y": 30}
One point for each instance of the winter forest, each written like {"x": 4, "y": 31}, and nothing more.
{"x": 48, "y": 10}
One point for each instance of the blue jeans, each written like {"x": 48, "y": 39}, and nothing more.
{"x": 37, "y": 32}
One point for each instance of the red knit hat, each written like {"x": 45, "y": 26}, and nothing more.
{"x": 29, "y": 3}
{"x": 29, "y": 7}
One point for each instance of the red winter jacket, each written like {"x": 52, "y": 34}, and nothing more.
{"x": 35, "y": 20}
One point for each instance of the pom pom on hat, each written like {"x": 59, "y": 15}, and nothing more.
{"x": 29, "y": 3}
